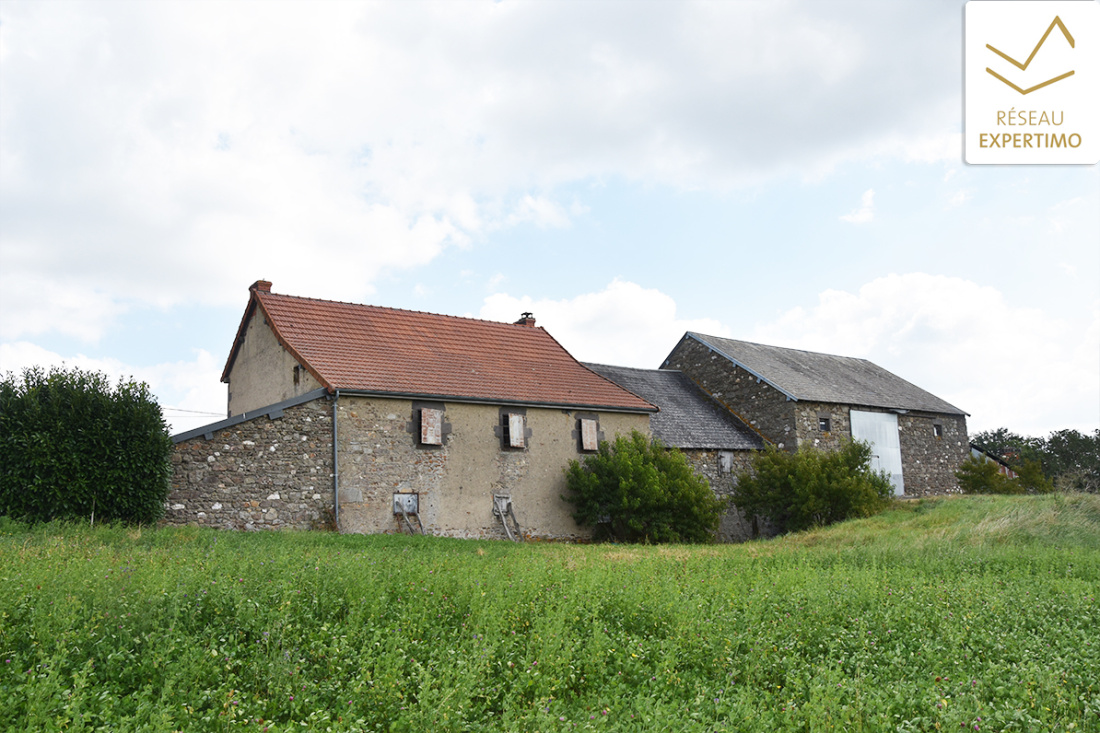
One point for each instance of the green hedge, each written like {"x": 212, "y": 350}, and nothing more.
{"x": 71, "y": 447}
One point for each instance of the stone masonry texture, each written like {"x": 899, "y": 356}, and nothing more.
{"x": 260, "y": 474}
{"x": 928, "y": 461}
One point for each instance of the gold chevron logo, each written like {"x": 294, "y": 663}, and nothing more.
{"x": 1057, "y": 22}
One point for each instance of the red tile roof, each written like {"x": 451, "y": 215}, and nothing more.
{"x": 389, "y": 351}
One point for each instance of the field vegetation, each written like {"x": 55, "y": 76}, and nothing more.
{"x": 975, "y": 613}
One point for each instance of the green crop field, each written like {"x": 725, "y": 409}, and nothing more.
{"x": 954, "y": 614}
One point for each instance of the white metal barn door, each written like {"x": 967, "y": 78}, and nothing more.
{"x": 880, "y": 429}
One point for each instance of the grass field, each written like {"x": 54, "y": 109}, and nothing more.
{"x": 956, "y": 614}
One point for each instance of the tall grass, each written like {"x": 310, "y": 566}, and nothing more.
{"x": 973, "y": 613}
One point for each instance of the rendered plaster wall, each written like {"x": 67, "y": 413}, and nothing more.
{"x": 258, "y": 474}
{"x": 264, "y": 372}
{"x": 380, "y": 454}
{"x": 735, "y": 526}
{"x": 759, "y": 405}
{"x": 929, "y": 462}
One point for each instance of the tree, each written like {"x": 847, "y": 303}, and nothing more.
{"x": 638, "y": 490}
{"x": 71, "y": 446}
{"x": 1072, "y": 460}
{"x": 1068, "y": 459}
{"x": 1008, "y": 446}
{"x": 812, "y": 488}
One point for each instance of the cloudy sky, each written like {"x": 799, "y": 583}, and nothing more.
{"x": 789, "y": 173}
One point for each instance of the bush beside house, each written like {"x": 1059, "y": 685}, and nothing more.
{"x": 811, "y": 487}
{"x": 637, "y": 490}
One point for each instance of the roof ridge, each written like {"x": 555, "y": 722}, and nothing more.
{"x": 781, "y": 348}
{"x": 392, "y": 308}
{"x": 637, "y": 369}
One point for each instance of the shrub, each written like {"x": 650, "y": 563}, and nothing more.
{"x": 1032, "y": 478}
{"x": 638, "y": 490}
{"x": 73, "y": 447}
{"x": 812, "y": 488}
{"x": 979, "y": 476}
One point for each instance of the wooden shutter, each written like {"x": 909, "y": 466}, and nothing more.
{"x": 431, "y": 426}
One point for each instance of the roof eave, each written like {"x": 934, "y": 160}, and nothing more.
{"x": 257, "y": 302}
{"x": 496, "y": 401}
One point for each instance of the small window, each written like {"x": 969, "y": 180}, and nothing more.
{"x": 937, "y": 430}
{"x": 512, "y": 430}
{"x": 824, "y": 424}
{"x": 590, "y": 440}
{"x": 431, "y": 426}
{"x": 725, "y": 461}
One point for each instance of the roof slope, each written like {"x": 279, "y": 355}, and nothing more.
{"x": 689, "y": 418}
{"x": 807, "y": 375}
{"x": 389, "y": 351}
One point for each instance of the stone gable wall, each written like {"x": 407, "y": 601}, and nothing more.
{"x": 759, "y": 405}
{"x": 264, "y": 372}
{"x": 929, "y": 463}
{"x": 259, "y": 474}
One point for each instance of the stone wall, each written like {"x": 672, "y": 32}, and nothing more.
{"x": 808, "y": 430}
{"x": 711, "y": 465}
{"x": 759, "y": 405}
{"x": 929, "y": 461}
{"x": 259, "y": 474}
{"x": 380, "y": 454}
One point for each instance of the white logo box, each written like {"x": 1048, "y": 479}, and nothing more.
{"x": 1032, "y": 82}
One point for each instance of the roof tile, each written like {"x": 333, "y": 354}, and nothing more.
{"x": 387, "y": 350}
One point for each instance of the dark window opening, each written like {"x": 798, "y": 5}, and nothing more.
{"x": 937, "y": 430}
{"x": 824, "y": 424}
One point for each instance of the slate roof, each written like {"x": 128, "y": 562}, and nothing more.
{"x": 810, "y": 376}
{"x": 689, "y": 418}
{"x": 378, "y": 350}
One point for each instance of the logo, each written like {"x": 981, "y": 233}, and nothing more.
{"x": 1023, "y": 67}
{"x": 1045, "y": 109}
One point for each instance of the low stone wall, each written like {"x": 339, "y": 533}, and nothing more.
{"x": 263, "y": 473}
{"x": 735, "y": 526}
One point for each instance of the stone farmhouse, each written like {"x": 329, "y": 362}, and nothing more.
{"x": 369, "y": 419}
{"x": 379, "y": 420}
{"x": 716, "y": 443}
{"x": 795, "y": 398}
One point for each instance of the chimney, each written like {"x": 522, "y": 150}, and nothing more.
{"x": 264, "y": 286}
{"x": 526, "y": 319}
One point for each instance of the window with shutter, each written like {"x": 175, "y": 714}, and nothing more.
{"x": 589, "y": 434}
{"x": 431, "y": 427}
{"x": 515, "y": 426}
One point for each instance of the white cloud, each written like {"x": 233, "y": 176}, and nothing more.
{"x": 157, "y": 153}
{"x": 539, "y": 211}
{"x": 193, "y": 387}
{"x": 1007, "y": 365}
{"x": 959, "y": 198}
{"x": 866, "y": 211}
{"x": 623, "y": 324}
